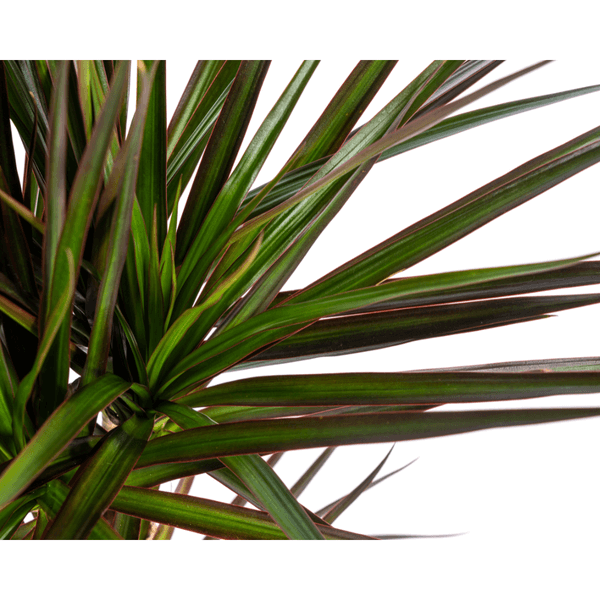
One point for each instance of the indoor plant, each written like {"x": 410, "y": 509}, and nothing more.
{"x": 96, "y": 277}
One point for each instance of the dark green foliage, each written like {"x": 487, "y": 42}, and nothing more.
{"x": 97, "y": 277}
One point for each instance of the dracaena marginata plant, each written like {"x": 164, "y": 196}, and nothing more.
{"x": 98, "y": 278}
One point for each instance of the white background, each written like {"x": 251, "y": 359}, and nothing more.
{"x": 527, "y": 496}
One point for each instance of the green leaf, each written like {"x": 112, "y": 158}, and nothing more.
{"x": 18, "y": 315}
{"x": 75, "y": 121}
{"x": 260, "y": 296}
{"x": 294, "y": 181}
{"x": 189, "y": 329}
{"x": 25, "y": 530}
{"x": 22, "y": 211}
{"x": 553, "y": 365}
{"x": 230, "y": 414}
{"x": 579, "y": 274}
{"x": 332, "y": 128}
{"x": 56, "y": 189}
{"x": 200, "y": 81}
{"x": 381, "y": 329}
{"x": 311, "y": 217}
{"x": 82, "y": 200}
{"x": 17, "y": 240}
{"x": 13, "y": 522}
{"x": 26, "y": 98}
{"x": 151, "y": 189}
{"x": 391, "y": 388}
{"x": 339, "y": 167}
{"x": 53, "y": 324}
{"x": 134, "y": 280}
{"x": 8, "y": 387}
{"x": 157, "y": 474}
{"x": 310, "y": 473}
{"x": 205, "y": 95}
{"x": 298, "y": 229}
{"x": 340, "y": 507}
{"x": 224, "y": 351}
{"x": 237, "y": 185}
{"x": 98, "y": 481}
{"x": 165, "y": 532}
{"x": 260, "y": 479}
{"x": 85, "y": 74}
{"x": 207, "y": 516}
{"x": 76, "y": 452}
{"x": 439, "y": 230}
{"x": 221, "y": 151}
{"x": 155, "y": 304}
{"x": 240, "y": 499}
{"x": 63, "y": 425}
{"x": 55, "y": 497}
{"x": 327, "y": 508}
{"x": 99, "y": 343}
{"x": 313, "y": 432}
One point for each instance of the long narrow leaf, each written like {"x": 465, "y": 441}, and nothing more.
{"x": 119, "y": 238}
{"x": 409, "y": 131}
{"x": 230, "y": 197}
{"x": 207, "y": 516}
{"x": 391, "y": 388}
{"x": 335, "y": 511}
{"x": 314, "y": 432}
{"x": 55, "y": 321}
{"x": 221, "y": 151}
{"x": 457, "y": 220}
{"x": 282, "y": 321}
{"x": 151, "y": 188}
{"x": 373, "y": 330}
{"x": 99, "y": 480}
{"x": 83, "y": 197}
{"x": 261, "y": 480}
{"x": 54, "y": 435}
{"x": 54, "y": 498}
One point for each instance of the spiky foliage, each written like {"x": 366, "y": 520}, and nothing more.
{"x": 97, "y": 277}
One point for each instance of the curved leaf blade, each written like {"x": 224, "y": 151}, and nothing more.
{"x": 63, "y": 425}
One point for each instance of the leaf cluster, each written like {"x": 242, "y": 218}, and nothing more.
{"x": 104, "y": 273}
